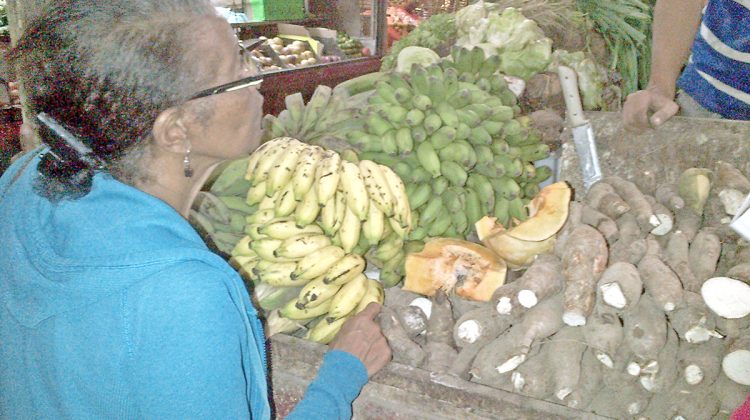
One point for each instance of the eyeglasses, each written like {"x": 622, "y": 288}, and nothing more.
{"x": 245, "y": 82}
{"x": 254, "y": 80}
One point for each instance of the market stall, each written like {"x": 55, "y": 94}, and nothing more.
{"x": 439, "y": 178}
{"x": 507, "y": 293}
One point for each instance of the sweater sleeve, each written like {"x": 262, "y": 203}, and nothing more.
{"x": 186, "y": 343}
{"x": 330, "y": 396}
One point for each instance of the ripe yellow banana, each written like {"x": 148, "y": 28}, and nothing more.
{"x": 345, "y": 270}
{"x": 317, "y": 263}
{"x": 281, "y": 172}
{"x": 308, "y": 209}
{"x": 242, "y": 248}
{"x": 260, "y": 217}
{"x": 324, "y": 332}
{"x": 341, "y": 210}
{"x": 350, "y": 230}
{"x": 269, "y": 202}
{"x": 279, "y": 274}
{"x": 253, "y": 231}
{"x": 328, "y": 216}
{"x": 280, "y": 146}
{"x": 265, "y": 248}
{"x": 316, "y": 292}
{"x": 255, "y": 194}
{"x": 327, "y": 176}
{"x": 401, "y": 209}
{"x": 304, "y": 175}
{"x": 301, "y": 245}
{"x": 374, "y": 227}
{"x": 374, "y": 293}
{"x": 254, "y": 159}
{"x": 355, "y": 189}
{"x": 285, "y": 203}
{"x": 286, "y": 227}
{"x": 347, "y": 298}
{"x": 377, "y": 186}
{"x": 291, "y": 311}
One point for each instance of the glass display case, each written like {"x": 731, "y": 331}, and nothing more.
{"x": 333, "y": 41}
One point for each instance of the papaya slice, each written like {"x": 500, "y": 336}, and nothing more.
{"x": 548, "y": 212}
{"x": 470, "y": 270}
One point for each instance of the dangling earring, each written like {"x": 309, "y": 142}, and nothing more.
{"x": 188, "y": 170}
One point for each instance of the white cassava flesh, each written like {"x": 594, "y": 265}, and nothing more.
{"x": 527, "y": 298}
{"x": 736, "y": 363}
{"x": 469, "y": 331}
{"x": 693, "y": 374}
{"x": 613, "y": 296}
{"x": 633, "y": 369}
{"x": 504, "y": 306}
{"x": 424, "y": 304}
{"x": 728, "y": 298}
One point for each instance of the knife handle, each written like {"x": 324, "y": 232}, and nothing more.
{"x": 569, "y": 84}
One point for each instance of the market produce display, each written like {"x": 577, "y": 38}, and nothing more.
{"x": 350, "y": 47}
{"x": 298, "y": 222}
{"x": 620, "y": 315}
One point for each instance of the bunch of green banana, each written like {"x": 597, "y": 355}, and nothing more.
{"x": 452, "y": 132}
{"x": 220, "y": 219}
{"x": 324, "y": 120}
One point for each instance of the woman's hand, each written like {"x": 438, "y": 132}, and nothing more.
{"x": 361, "y": 337}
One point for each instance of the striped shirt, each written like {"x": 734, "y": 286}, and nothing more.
{"x": 718, "y": 73}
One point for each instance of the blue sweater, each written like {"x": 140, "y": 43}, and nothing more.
{"x": 111, "y": 306}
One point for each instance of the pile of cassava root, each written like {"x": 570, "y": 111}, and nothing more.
{"x": 640, "y": 312}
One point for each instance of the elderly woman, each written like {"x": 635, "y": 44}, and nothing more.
{"x": 111, "y": 306}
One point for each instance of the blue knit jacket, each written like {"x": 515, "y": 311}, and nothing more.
{"x": 111, "y": 306}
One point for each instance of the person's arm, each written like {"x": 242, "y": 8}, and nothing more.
{"x": 675, "y": 24}
{"x": 357, "y": 352}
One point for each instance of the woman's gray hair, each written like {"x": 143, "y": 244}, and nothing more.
{"x": 105, "y": 70}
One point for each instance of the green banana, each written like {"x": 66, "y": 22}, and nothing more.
{"x": 419, "y": 134}
{"x": 507, "y": 187}
{"x": 534, "y": 152}
{"x": 419, "y": 80}
{"x": 231, "y": 180}
{"x": 501, "y": 212}
{"x": 212, "y": 207}
{"x": 460, "y": 99}
{"x": 480, "y": 136}
{"x": 237, "y": 204}
{"x": 393, "y": 271}
{"x": 432, "y": 122}
{"x": 421, "y": 102}
{"x": 499, "y": 147}
{"x": 431, "y": 210}
{"x": 428, "y": 158}
{"x": 378, "y": 125}
{"x": 517, "y": 209}
{"x": 420, "y": 175}
{"x": 404, "y": 141}
{"x": 530, "y": 190}
{"x": 483, "y": 187}
{"x": 396, "y": 115}
{"x": 420, "y": 195}
{"x": 390, "y": 144}
{"x": 414, "y": 118}
{"x": 467, "y": 117}
{"x": 439, "y": 185}
{"x": 459, "y": 221}
{"x": 439, "y": 225}
{"x": 443, "y": 137}
{"x": 387, "y": 92}
{"x": 473, "y": 206}
{"x": 454, "y": 173}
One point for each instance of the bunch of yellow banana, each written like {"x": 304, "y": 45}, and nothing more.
{"x": 300, "y": 276}
{"x": 312, "y": 185}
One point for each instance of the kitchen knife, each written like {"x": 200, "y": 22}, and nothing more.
{"x": 583, "y": 133}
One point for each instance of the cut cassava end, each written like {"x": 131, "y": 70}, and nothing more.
{"x": 620, "y": 285}
{"x": 736, "y": 363}
{"x": 692, "y": 321}
{"x": 700, "y": 363}
{"x": 541, "y": 280}
{"x": 666, "y": 219}
{"x": 567, "y": 346}
{"x": 727, "y": 297}
{"x": 666, "y": 372}
{"x": 604, "y": 334}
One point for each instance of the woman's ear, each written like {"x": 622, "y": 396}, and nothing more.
{"x": 169, "y": 131}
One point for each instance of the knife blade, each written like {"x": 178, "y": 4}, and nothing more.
{"x": 583, "y": 133}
